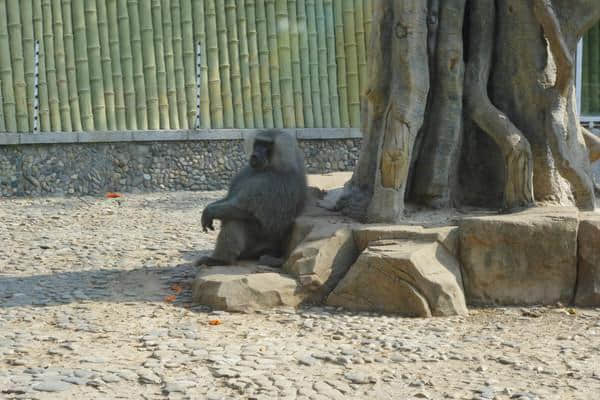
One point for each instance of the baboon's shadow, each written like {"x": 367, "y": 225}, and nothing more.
{"x": 144, "y": 284}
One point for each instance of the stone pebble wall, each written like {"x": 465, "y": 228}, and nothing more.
{"x": 97, "y": 168}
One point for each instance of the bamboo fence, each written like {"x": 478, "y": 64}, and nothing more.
{"x": 131, "y": 64}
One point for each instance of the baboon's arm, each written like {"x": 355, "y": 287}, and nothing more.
{"x": 223, "y": 209}
{"x": 229, "y": 210}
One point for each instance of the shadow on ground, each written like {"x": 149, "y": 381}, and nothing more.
{"x": 144, "y": 284}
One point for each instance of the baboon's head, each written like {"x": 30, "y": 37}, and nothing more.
{"x": 274, "y": 149}
{"x": 262, "y": 151}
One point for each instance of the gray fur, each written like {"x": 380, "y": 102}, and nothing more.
{"x": 260, "y": 207}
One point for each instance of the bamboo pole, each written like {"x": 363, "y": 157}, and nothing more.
{"x": 314, "y": 64}
{"x": 149, "y": 64}
{"x": 81, "y": 61}
{"x": 274, "y": 63}
{"x": 594, "y": 65}
{"x": 61, "y": 68}
{"x": 226, "y": 94}
{"x": 107, "y": 69}
{"x": 334, "y": 99}
{"x": 95, "y": 66}
{"x": 263, "y": 56}
{"x": 233, "y": 52}
{"x": 26, "y": 12}
{"x": 212, "y": 60}
{"x": 127, "y": 65}
{"x": 16, "y": 55}
{"x": 38, "y": 32}
{"x": 70, "y": 65}
{"x": 189, "y": 60}
{"x": 352, "y": 64}
{"x": 242, "y": 24}
{"x": 254, "y": 67}
{"x": 2, "y": 124}
{"x": 169, "y": 63}
{"x": 340, "y": 55}
{"x": 116, "y": 70}
{"x": 322, "y": 60}
{"x": 285, "y": 63}
{"x": 307, "y": 104}
{"x": 36, "y": 87}
{"x": 368, "y": 15}
{"x": 179, "y": 69}
{"x": 585, "y": 81}
{"x": 138, "y": 64}
{"x": 361, "y": 52}
{"x": 200, "y": 39}
{"x": 6, "y": 76}
{"x": 161, "y": 73}
{"x": 295, "y": 59}
{"x": 53, "y": 100}
{"x": 198, "y": 83}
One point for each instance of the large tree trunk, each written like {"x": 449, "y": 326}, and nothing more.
{"x": 472, "y": 102}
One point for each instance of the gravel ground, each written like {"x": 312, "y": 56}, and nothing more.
{"x": 94, "y": 304}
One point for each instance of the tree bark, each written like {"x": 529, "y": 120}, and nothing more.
{"x": 515, "y": 148}
{"x": 517, "y": 138}
{"x": 441, "y": 135}
{"x": 396, "y": 100}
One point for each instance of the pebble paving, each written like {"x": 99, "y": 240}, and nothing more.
{"x": 95, "y": 304}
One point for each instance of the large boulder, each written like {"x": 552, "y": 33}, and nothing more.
{"x": 411, "y": 278}
{"x": 525, "y": 258}
{"x": 244, "y": 288}
{"x": 588, "y": 279}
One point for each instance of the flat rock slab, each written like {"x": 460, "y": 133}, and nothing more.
{"x": 588, "y": 280}
{"x": 52, "y": 386}
{"x": 524, "y": 258}
{"x": 244, "y": 288}
{"x": 410, "y": 278}
{"x": 445, "y": 235}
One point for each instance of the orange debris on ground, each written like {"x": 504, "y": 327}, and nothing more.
{"x": 214, "y": 322}
{"x": 170, "y": 299}
{"x": 176, "y": 288}
{"x": 112, "y": 195}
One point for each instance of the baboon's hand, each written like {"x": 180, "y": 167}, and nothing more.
{"x": 207, "y": 219}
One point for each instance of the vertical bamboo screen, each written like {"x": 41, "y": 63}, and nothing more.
{"x": 590, "y": 94}
{"x": 131, "y": 64}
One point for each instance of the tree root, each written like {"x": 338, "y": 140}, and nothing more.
{"x": 354, "y": 203}
{"x": 518, "y": 190}
{"x": 544, "y": 13}
{"x": 581, "y": 183}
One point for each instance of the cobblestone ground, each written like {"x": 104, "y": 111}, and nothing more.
{"x": 94, "y": 304}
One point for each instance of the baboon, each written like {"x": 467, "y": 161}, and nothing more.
{"x": 262, "y": 202}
